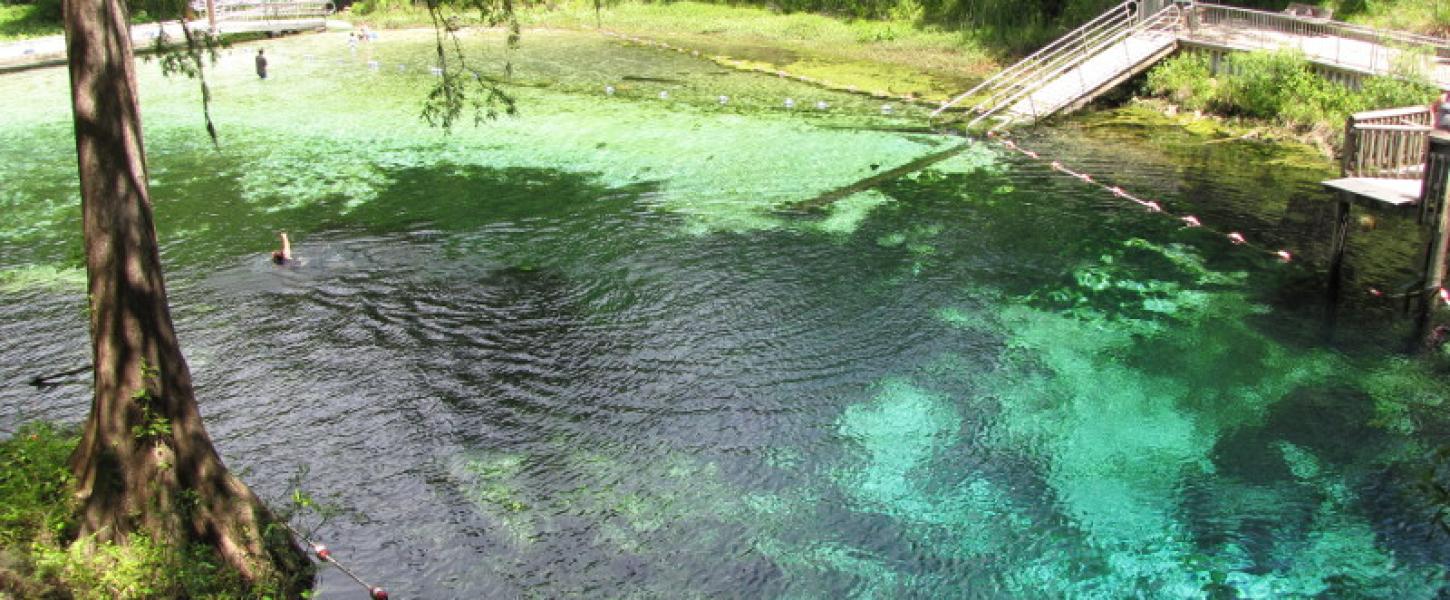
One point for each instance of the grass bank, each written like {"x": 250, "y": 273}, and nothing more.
{"x": 40, "y": 557}
{"x": 25, "y": 21}
{"x": 897, "y": 56}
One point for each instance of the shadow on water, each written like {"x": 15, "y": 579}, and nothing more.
{"x": 440, "y": 198}
{"x": 976, "y": 377}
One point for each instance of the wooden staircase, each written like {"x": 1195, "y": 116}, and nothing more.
{"x": 1077, "y": 67}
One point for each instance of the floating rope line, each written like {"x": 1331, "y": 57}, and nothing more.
{"x": 1190, "y": 221}
{"x": 1153, "y": 206}
{"x": 325, "y": 555}
{"x": 1234, "y": 237}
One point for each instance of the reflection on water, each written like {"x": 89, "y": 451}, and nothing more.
{"x": 587, "y": 352}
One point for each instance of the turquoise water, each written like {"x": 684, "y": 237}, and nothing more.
{"x": 598, "y": 350}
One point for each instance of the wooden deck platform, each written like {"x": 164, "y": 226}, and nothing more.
{"x": 1376, "y": 192}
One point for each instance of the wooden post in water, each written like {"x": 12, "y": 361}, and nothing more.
{"x": 1337, "y": 242}
{"x": 1434, "y": 195}
{"x": 1390, "y": 162}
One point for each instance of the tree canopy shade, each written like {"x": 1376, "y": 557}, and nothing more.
{"x": 145, "y": 464}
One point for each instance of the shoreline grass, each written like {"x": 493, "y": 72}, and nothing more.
{"x": 1425, "y": 17}
{"x": 26, "y": 21}
{"x": 893, "y": 56}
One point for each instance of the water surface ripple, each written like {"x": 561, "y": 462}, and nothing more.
{"x": 588, "y": 351}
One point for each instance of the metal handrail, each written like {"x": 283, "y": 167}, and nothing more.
{"x": 1169, "y": 14}
{"x": 1287, "y": 23}
{"x": 1065, "y": 56}
{"x": 1019, "y": 80}
{"x": 1036, "y": 57}
{"x": 1087, "y": 43}
{"x": 1299, "y": 31}
{"x": 252, "y": 10}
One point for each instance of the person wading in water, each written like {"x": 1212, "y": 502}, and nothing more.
{"x": 261, "y": 65}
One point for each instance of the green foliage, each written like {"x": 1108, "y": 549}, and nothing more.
{"x": 1267, "y": 84}
{"x": 33, "y": 480}
{"x": 1282, "y": 86}
{"x": 1184, "y": 78}
{"x": 367, "y": 7}
{"x": 305, "y": 513}
{"x": 461, "y": 86}
{"x": 1408, "y": 87}
{"x": 1420, "y": 16}
{"x": 34, "y": 504}
{"x": 152, "y": 424}
{"x": 141, "y": 568}
{"x": 29, "y": 20}
{"x": 37, "y": 558}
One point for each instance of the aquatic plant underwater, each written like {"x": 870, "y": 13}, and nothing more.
{"x": 599, "y": 349}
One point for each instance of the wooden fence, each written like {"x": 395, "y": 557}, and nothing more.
{"x": 1389, "y": 144}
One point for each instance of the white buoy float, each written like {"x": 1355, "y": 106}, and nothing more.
{"x": 885, "y": 109}
{"x": 608, "y": 90}
{"x": 664, "y": 95}
{"x": 724, "y": 100}
{"x": 790, "y": 103}
{"x": 821, "y": 105}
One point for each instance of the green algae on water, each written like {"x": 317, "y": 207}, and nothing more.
{"x": 58, "y": 279}
{"x": 847, "y": 213}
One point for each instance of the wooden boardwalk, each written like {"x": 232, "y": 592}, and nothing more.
{"x": 1130, "y": 37}
{"x": 232, "y": 18}
{"x": 275, "y": 16}
{"x": 1378, "y": 191}
{"x": 1355, "y": 55}
{"x": 1384, "y": 163}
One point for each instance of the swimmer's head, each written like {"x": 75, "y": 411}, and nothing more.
{"x": 278, "y": 257}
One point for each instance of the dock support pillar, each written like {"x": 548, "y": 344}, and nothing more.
{"x": 1337, "y": 244}
{"x": 1434, "y": 212}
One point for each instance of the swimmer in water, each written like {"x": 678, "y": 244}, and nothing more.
{"x": 284, "y": 255}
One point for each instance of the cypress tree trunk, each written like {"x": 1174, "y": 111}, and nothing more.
{"x": 145, "y": 464}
